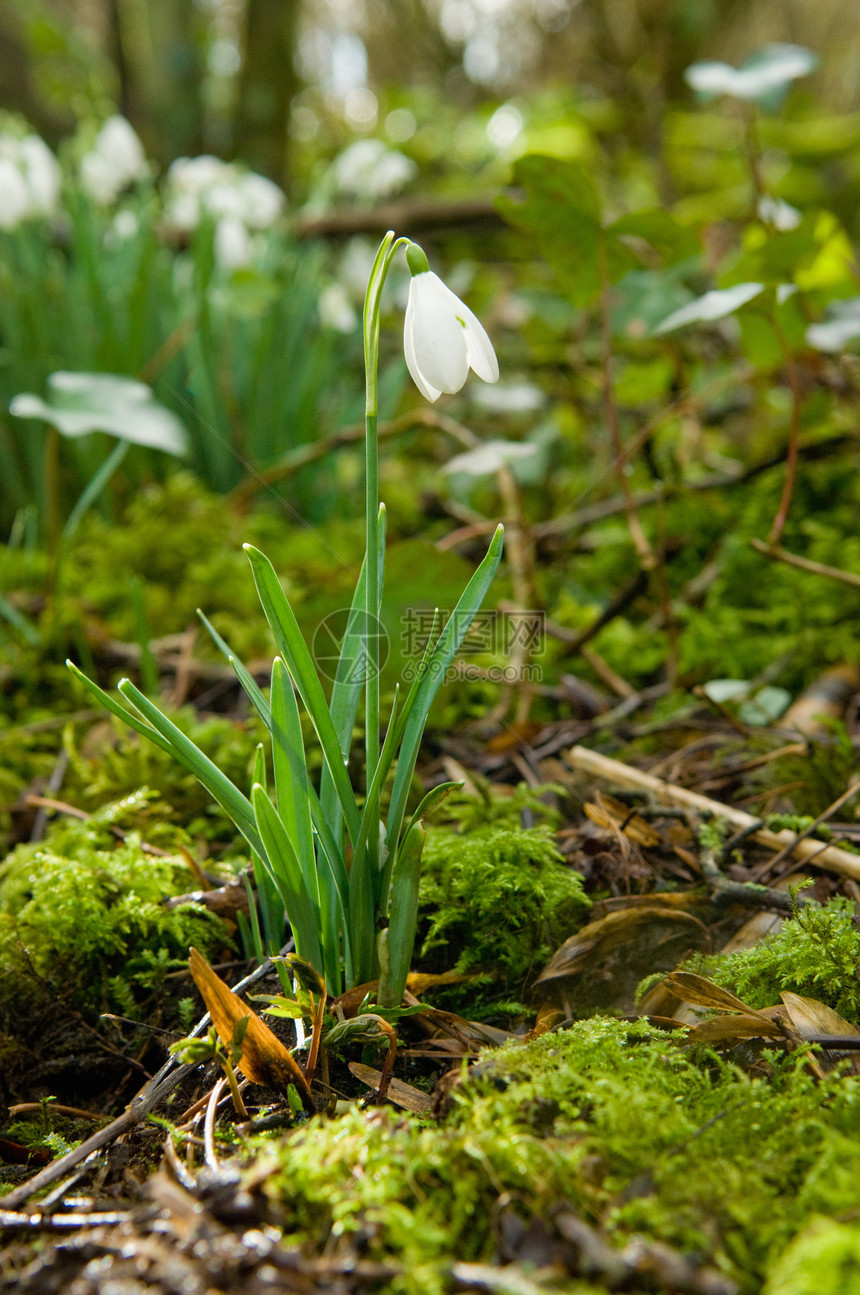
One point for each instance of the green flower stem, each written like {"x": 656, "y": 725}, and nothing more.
{"x": 378, "y": 275}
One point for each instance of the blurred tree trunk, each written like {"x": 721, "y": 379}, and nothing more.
{"x": 268, "y": 82}
{"x": 158, "y": 54}
{"x": 18, "y": 90}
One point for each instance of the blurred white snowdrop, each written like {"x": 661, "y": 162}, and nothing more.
{"x": 713, "y": 305}
{"x": 29, "y": 179}
{"x": 512, "y": 398}
{"x": 115, "y": 161}
{"x": 767, "y": 72}
{"x": 239, "y": 201}
{"x": 41, "y": 172}
{"x": 488, "y": 458}
{"x": 505, "y": 126}
{"x": 781, "y": 215}
{"x": 369, "y": 170}
{"x": 336, "y": 311}
{"x": 233, "y": 247}
{"x": 14, "y": 200}
{"x": 442, "y": 339}
{"x": 206, "y": 185}
{"x": 841, "y": 326}
{"x": 125, "y": 225}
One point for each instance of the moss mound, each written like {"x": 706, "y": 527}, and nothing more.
{"x": 615, "y": 1123}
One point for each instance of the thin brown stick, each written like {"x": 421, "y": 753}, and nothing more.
{"x": 610, "y": 412}
{"x": 777, "y": 554}
{"x": 793, "y": 438}
{"x": 302, "y": 455}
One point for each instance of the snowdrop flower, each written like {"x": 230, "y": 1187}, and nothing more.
{"x": 442, "y": 339}
{"x": 369, "y": 170}
{"x": 198, "y": 186}
{"x": 488, "y": 458}
{"x": 336, "y": 311}
{"x": 232, "y": 244}
{"x": 778, "y": 213}
{"x": 41, "y": 172}
{"x": 767, "y": 72}
{"x": 29, "y": 179}
{"x": 262, "y": 200}
{"x": 14, "y": 199}
{"x": 115, "y": 160}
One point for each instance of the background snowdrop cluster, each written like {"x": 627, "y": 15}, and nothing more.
{"x": 369, "y": 171}
{"x": 239, "y": 202}
{"x": 29, "y": 179}
{"x": 116, "y": 160}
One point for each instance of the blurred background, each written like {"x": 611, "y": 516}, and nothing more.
{"x": 284, "y": 83}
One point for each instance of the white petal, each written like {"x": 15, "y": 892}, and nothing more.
{"x": 438, "y": 336}
{"x": 428, "y": 392}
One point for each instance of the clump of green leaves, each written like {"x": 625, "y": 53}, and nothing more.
{"x": 816, "y": 953}
{"x": 497, "y": 899}
{"x": 85, "y": 915}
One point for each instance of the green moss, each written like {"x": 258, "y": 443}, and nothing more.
{"x": 85, "y": 915}
{"x": 497, "y": 899}
{"x": 815, "y": 953}
{"x": 823, "y": 1260}
{"x": 613, "y": 1121}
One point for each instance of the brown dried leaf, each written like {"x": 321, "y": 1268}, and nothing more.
{"x": 598, "y": 939}
{"x": 403, "y": 1095}
{"x": 809, "y": 1016}
{"x": 736, "y": 1026}
{"x": 704, "y": 993}
{"x": 615, "y": 815}
{"x": 265, "y": 1060}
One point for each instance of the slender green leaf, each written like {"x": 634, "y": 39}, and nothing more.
{"x": 183, "y": 749}
{"x": 128, "y": 717}
{"x": 404, "y": 916}
{"x": 291, "y": 774}
{"x": 300, "y": 664}
{"x": 288, "y": 875}
{"x": 246, "y": 679}
{"x": 349, "y": 683}
{"x": 364, "y": 887}
{"x": 436, "y": 666}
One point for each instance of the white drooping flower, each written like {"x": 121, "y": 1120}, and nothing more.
{"x": 29, "y": 179}
{"x": 767, "y": 72}
{"x": 205, "y": 185}
{"x": 238, "y": 201}
{"x": 369, "y": 170}
{"x": 115, "y": 160}
{"x": 41, "y": 172}
{"x": 232, "y": 243}
{"x": 442, "y": 339}
{"x": 14, "y": 200}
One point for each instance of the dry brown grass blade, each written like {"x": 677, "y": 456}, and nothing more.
{"x": 265, "y": 1060}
